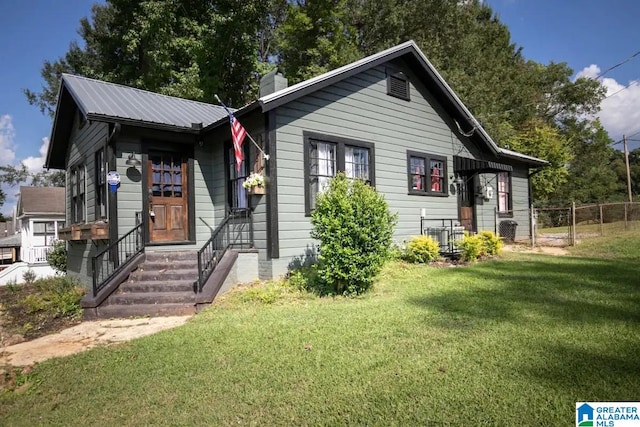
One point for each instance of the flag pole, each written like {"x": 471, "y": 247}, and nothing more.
{"x": 264, "y": 155}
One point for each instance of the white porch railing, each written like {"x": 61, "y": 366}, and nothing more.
{"x": 36, "y": 254}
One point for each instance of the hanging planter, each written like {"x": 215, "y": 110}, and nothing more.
{"x": 254, "y": 183}
{"x": 258, "y": 189}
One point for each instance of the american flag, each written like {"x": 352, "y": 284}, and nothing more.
{"x": 238, "y": 134}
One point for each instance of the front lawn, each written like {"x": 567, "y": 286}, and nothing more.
{"x": 506, "y": 342}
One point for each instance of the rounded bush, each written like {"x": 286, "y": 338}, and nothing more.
{"x": 422, "y": 249}
{"x": 354, "y": 226}
{"x": 492, "y": 244}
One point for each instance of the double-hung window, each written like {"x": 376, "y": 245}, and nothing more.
{"x": 427, "y": 174}
{"x": 44, "y": 233}
{"x": 504, "y": 193}
{"x": 325, "y": 156}
{"x": 238, "y": 198}
{"x": 77, "y": 191}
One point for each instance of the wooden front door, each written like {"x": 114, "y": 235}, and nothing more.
{"x": 167, "y": 180}
{"x": 466, "y": 201}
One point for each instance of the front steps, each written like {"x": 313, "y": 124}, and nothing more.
{"x": 162, "y": 285}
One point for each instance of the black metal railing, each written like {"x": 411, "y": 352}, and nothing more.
{"x": 115, "y": 257}
{"x": 234, "y": 232}
{"x": 447, "y": 232}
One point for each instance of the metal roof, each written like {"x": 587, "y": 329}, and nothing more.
{"x": 97, "y": 99}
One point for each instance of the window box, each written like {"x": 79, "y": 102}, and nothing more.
{"x": 77, "y": 232}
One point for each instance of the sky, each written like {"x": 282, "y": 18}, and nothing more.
{"x": 589, "y": 35}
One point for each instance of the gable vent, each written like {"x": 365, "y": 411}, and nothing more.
{"x": 398, "y": 86}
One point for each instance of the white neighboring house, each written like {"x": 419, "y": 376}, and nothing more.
{"x": 40, "y": 213}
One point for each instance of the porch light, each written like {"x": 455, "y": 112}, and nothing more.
{"x": 132, "y": 161}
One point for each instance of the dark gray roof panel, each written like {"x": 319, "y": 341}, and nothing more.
{"x": 98, "y": 99}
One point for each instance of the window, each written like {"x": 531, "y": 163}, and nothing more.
{"x": 427, "y": 174}
{"x": 44, "y": 233}
{"x": 325, "y": 156}
{"x": 504, "y": 192}
{"x": 101, "y": 185}
{"x": 77, "y": 192}
{"x": 398, "y": 85}
{"x": 238, "y": 198}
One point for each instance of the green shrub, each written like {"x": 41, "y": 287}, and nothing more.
{"x": 57, "y": 257}
{"x": 471, "y": 247}
{"x": 307, "y": 279}
{"x": 422, "y": 249}
{"x": 492, "y": 244}
{"x": 29, "y": 276}
{"x": 354, "y": 226}
{"x": 34, "y": 303}
{"x": 58, "y": 296}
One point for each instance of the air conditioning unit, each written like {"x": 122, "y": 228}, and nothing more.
{"x": 439, "y": 234}
{"x": 447, "y": 237}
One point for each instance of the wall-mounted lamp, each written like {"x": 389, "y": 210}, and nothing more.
{"x": 132, "y": 161}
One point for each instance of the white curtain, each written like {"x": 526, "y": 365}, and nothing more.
{"x": 326, "y": 164}
{"x": 356, "y": 162}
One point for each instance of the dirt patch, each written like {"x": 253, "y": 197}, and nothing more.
{"x": 23, "y": 316}
{"x": 84, "y": 336}
{"x": 547, "y": 250}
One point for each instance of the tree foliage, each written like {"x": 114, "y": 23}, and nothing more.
{"x": 15, "y": 175}
{"x": 195, "y": 49}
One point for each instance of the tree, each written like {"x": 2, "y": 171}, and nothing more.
{"x": 590, "y": 177}
{"x": 16, "y": 175}
{"x": 544, "y": 141}
{"x": 185, "y": 48}
{"x": 315, "y": 37}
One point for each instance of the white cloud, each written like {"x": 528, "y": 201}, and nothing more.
{"x": 7, "y": 144}
{"x": 8, "y": 157}
{"x": 34, "y": 164}
{"x": 620, "y": 111}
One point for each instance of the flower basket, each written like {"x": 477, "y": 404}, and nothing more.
{"x": 254, "y": 183}
{"x": 258, "y": 189}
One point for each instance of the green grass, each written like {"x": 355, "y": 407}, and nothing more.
{"x": 515, "y": 341}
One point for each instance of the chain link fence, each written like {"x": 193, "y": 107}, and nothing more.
{"x": 566, "y": 226}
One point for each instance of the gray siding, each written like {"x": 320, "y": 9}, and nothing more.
{"x": 359, "y": 108}
{"x": 83, "y": 143}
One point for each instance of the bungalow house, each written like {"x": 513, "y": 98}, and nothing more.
{"x": 159, "y": 219}
{"x": 39, "y": 215}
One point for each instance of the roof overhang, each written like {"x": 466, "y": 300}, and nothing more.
{"x": 466, "y": 165}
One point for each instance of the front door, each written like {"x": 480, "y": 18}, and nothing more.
{"x": 466, "y": 201}
{"x": 167, "y": 180}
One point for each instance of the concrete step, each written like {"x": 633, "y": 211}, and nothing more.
{"x": 169, "y": 257}
{"x": 179, "y": 264}
{"x": 139, "y": 286}
{"x": 136, "y": 298}
{"x": 124, "y": 311}
{"x": 164, "y": 275}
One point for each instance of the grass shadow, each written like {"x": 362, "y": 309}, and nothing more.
{"x": 574, "y": 290}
